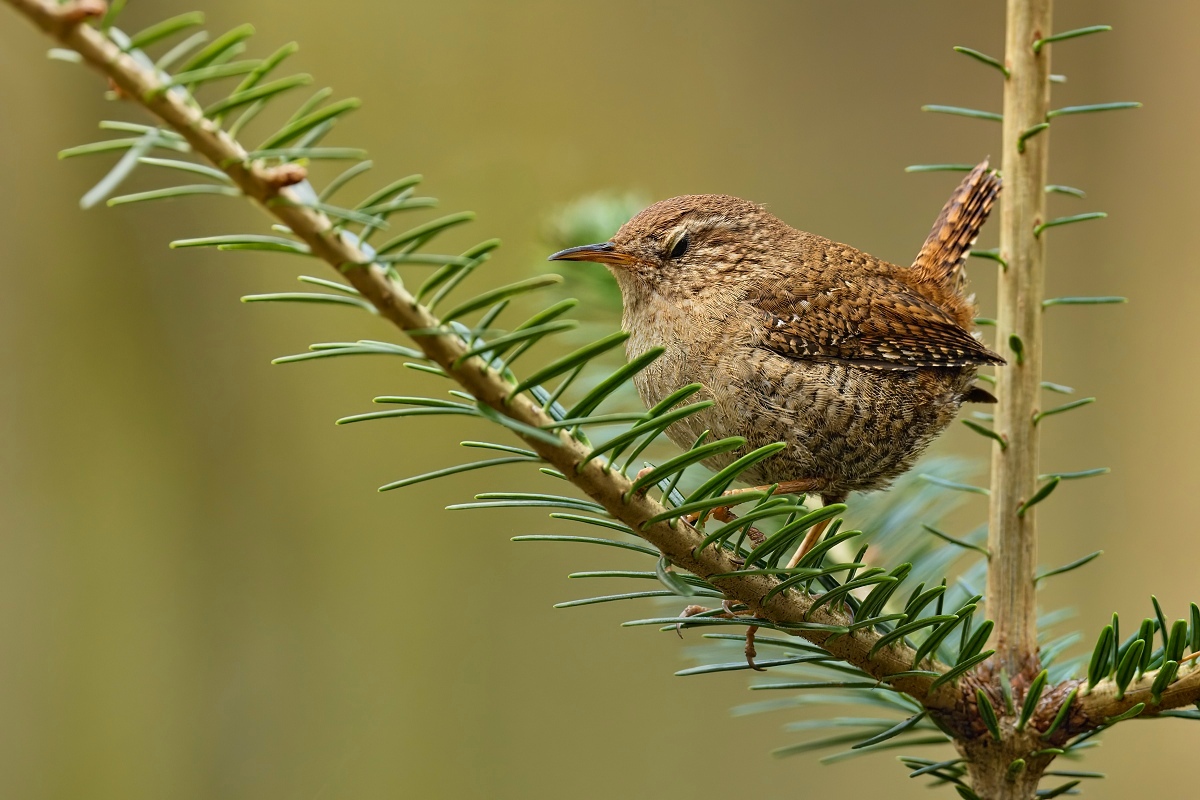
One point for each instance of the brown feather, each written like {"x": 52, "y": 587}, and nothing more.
{"x": 940, "y": 262}
{"x": 875, "y": 321}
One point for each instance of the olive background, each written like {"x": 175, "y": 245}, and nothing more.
{"x": 203, "y": 596}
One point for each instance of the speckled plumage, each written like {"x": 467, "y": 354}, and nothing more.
{"x": 854, "y": 362}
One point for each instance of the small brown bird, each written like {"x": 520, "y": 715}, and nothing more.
{"x": 855, "y": 363}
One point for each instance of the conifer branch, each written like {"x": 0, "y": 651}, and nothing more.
{"x": 1105, "y": 702}
{"x": 270, "y": 188}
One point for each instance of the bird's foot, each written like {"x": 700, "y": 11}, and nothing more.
{"x": 721, "y": 514}
{"x": 724, "y": 514}
{"x": 810, "y": 541}
{"x": 641, "y": 473}
{"x": 750, "y": 651}
{"x": 727, "y": 612}
{"x": 691, "y": 611}
{"x": 750, "y": 632}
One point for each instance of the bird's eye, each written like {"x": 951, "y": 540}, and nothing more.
{"x": 680, "y": 247}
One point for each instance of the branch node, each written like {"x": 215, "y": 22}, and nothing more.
{"x": 282, "y": 175}
{"x": 78, "y": 11}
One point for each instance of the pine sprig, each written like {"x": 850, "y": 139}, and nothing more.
{"x": 465, "y": 343}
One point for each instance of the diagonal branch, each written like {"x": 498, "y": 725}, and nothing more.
{"x": 791, "y": 611}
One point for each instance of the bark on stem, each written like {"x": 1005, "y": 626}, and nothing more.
{"x": 1012, "y": 535}
{"x": 1005, "y": 769}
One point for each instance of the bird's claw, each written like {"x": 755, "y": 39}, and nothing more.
{"x": 750, "y": 651}
{"x": 690, "y": 611}
{"x": 731, "y": 612}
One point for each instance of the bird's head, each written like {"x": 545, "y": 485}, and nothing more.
{"x": 684, "y": 242}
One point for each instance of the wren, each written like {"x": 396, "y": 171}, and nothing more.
{"x": 855, "y": 363}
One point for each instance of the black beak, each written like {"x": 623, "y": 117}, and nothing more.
{"x": 602, "y": 253}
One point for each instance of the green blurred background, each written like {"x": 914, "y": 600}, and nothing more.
{"x": 202, "y": 595}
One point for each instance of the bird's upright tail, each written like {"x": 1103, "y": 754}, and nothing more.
{"x": 941, "y": 258}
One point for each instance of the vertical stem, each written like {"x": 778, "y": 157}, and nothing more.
{"x": 1012, "y": 537}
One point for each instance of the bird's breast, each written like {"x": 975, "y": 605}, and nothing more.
{"x": 701, "y": 343}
